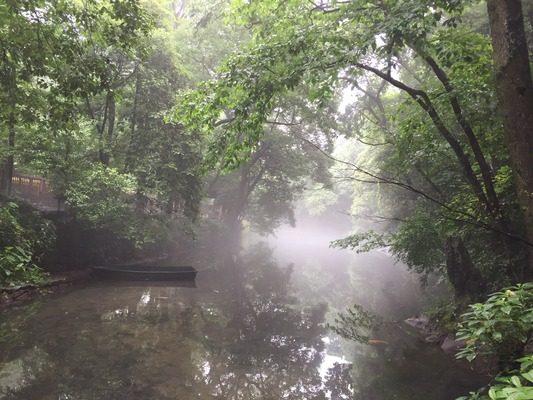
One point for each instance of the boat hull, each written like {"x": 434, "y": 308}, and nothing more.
{"x": 145, "y": 273}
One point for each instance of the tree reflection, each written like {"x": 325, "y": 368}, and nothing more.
{"x": 268, "y": 347}
{"x": 243, "y": 335}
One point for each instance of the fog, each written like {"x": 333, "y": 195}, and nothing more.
{"x": 337, "y": 276}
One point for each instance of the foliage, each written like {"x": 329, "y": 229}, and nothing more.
{"x": 418, "y": 242}
{"x": 361, "y": 242}
{"x": 264, "y": 189}
{"x": 104, "y": 198}
{"x": 55, "y": 53}
{"x": 355, "y": 323}
{"x": 517, "y": 385}
{"x": 502, "y": 325}
{"x": 85, "y": 108}
{"x": 16, "y": 267}
{"x": 24, "y": 239}
{"x": 100, "y": 195}
{"x": 424, "y": 116}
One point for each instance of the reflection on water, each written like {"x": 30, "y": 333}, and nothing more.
{"x": 243, "y": 333}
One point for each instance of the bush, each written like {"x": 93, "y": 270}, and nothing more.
{"x": 104, "y": 199}
{"x": 517, "y": 385}
{"x": 100, "y": 197}
{"x": 16, "y": 266}
{"x": 24, "y": 239}
{"x": 501, "y": 326}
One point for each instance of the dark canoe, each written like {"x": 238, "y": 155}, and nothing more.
{"x": 145, "y": 273}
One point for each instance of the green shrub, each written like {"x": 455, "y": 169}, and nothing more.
{"x": 24, "y": 239}
{"x": 500, "y": 326}
{"x": 103, "y": 198}
{"x": 16, "y": 266}
{"x": 100, "y": 197}
{"x": 517, "y": 385}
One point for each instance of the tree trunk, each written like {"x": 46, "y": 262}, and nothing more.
{"x": 515, "y": 92}
{"x": 463, "y": 275}
{"x": 110, "y": 129}
{"x": 102, "y": 142}
{"x": 9, "y": 163}
{"x": 233, "y": 217}
{"x": 8, "y": 167}
{"x": 130, "y": 156}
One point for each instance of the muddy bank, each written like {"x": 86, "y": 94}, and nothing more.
{"x": 17, "y": 295}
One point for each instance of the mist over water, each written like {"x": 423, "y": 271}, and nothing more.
{"x": 374, "y": 280}
{"x": 254, "y": 327}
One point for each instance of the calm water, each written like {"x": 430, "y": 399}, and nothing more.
{"x": 253, "y": 328}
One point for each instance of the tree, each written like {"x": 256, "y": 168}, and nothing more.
{"x": 264, "y": 189}
{"x": 515, "y": 90}
{"x": 421, "y": 55}
{"x": 50, "y": 60}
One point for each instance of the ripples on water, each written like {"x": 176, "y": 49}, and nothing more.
{"x": 251, "y": 329}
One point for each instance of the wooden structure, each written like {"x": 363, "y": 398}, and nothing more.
{"x": 36, "y": 191}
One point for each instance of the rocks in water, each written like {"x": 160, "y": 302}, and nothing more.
{"x": 425, "y": 327}
{"x": 434, "y": 338}
{"x": 450, "y": 345}
{"x": 431, "y": 333}
{"x": 420, "y": 323}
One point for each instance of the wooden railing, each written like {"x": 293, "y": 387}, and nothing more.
{"x": 36, "y": 191}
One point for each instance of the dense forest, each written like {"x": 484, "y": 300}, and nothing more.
{"x": 148, "y": 122}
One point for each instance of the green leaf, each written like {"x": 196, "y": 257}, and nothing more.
{"x": 528, "y": 375}
{"x": 516, "y": 381}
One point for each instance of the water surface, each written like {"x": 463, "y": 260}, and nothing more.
{"x": 254, "y": 327}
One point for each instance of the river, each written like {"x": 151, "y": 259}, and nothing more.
{"x": 253, "y": 327}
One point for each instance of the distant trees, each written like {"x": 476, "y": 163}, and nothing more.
{"x": 264, "y": 189}
{"x": 430, "y": 134}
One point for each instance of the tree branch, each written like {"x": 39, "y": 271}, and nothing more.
{"x": 380, "y": 179}
{"x": 486, "y": 171}
{"x": 425, "y": 103}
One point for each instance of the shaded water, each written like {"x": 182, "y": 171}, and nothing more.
{"x": 253, "y": 328}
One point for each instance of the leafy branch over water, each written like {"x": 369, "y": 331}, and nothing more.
{"x": 355, "y": 324}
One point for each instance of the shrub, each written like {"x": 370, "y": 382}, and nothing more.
{"x": 500, "y": 326}
{"x": 16, "y": 266}
{"x": 517, "y": 385}
{"x": 24, "y": 239}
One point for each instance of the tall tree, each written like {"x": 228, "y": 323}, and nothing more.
{"x": 515, "y": 90}
{"x": 421, "y": 54}
{"x": 50, "y": 59}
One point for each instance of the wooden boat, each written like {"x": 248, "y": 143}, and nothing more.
{"x": 128, "y": 283}
{"x": 145, "y": 273}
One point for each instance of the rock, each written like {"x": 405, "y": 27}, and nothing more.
{"x": 420, "y": 323}
{"x": 433, "y": 338}
{"x": 426, "y": 328}
{"x": 450, "y": 345}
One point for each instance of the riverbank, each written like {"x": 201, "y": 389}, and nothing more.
{"x": 17, "y": 295}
